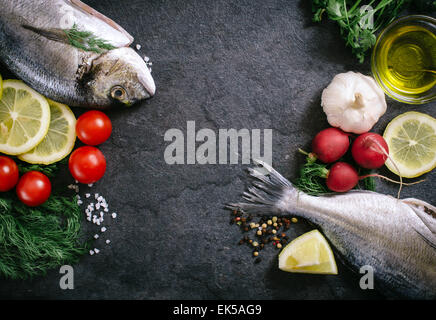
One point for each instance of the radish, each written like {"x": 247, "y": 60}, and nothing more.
{"x": 342, "y": 177}
{"x": 370, "y": 150}
{"x": 330, "y": 144}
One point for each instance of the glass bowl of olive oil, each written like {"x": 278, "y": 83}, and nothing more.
{"x": 404, "y": 59}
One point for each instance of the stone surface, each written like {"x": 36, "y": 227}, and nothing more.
{"x": 223, "y": 64}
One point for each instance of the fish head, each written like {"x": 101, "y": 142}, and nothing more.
{"x": 120, "y": 76}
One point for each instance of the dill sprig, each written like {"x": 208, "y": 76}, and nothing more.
{"x": 34, "y": 240}
{"x": 313, "y": 175}
{"x": 86, "y": 40}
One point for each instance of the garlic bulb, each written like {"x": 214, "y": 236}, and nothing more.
{"x": 353, "y": 102}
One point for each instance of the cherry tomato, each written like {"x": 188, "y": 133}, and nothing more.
{"x": 87, "y": 164}
{"x": 34, "y": 188}
{"x": 8, "y": 174}
{"x": 93, "y": 128}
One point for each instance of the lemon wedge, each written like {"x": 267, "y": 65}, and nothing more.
{"x": 411, "y": 138}
{"x": 60, "y": 138}
{"x": 309, "y": 253}
{"x": 24, "y": 118}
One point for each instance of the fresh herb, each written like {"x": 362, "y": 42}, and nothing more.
{"x": 86, "y": 40}
{"x": 313, "y": 175}
{"x": 49, "y": 170}
{"x": 34, "y": 240}
{"x": 353, "y": 18}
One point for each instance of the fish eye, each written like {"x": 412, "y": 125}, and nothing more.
{"x": 118, "y": 93}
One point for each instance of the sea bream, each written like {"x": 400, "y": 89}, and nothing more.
{"x": 72, "y": 54}
{"x": 397, "y": 238}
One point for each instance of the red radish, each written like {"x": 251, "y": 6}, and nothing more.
{"x": 330, "y": 144}
{"x": 342, "y": 177}
{"x": 370, "y": 150}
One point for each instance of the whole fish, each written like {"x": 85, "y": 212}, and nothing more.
{"x": 71, "y": 53}
{"x": 397, "y": 238}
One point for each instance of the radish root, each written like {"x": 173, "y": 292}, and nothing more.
{"x": 382, "y": 149}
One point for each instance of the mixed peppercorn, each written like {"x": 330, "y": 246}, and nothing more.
{"x": 266, "y": 229}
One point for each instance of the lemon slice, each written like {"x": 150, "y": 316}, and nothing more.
{"x": 411, "y": 138}
{"x": 24, "y": 118}
{"x": 60, "y": 138}
{"x": 309, "y": 253}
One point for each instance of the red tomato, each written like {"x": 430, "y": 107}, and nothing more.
{"x": 87, "y": 164}
{"x": 8, "y": 173}
{"x": 93, "y": 128}
{"x": 34, "y": 188}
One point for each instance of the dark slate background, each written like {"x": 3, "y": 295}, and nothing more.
{"x": 224, "y": 64}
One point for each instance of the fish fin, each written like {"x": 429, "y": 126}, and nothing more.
{"x": 427, "y": 214}
{"x": 90, "y": 11}
{"x": 268, "y": 192}
{"x": 425, "y": 211}
{"x": 430, "y": 242}
{"x": 51, "y": 34}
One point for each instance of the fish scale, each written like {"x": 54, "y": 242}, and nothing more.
{"x": 395, "y": 237}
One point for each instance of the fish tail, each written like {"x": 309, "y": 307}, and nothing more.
{"x": 269, "y": 193}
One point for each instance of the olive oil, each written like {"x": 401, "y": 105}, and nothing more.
{"x": 405, "y": 60}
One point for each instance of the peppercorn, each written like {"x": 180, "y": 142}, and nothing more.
{"x": 257, "y": 260}
{"x": 279, "y": 245}
{"x": 294, "y": 220}
{"x": 259, "y": 232}
{"x": 255, "y": 253}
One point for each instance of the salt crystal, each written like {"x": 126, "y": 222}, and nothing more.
{"x": 103, "y": 229}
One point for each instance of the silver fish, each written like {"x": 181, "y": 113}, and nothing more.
{"x": 35, "y": 46}
{"x": 397, "y": 238}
